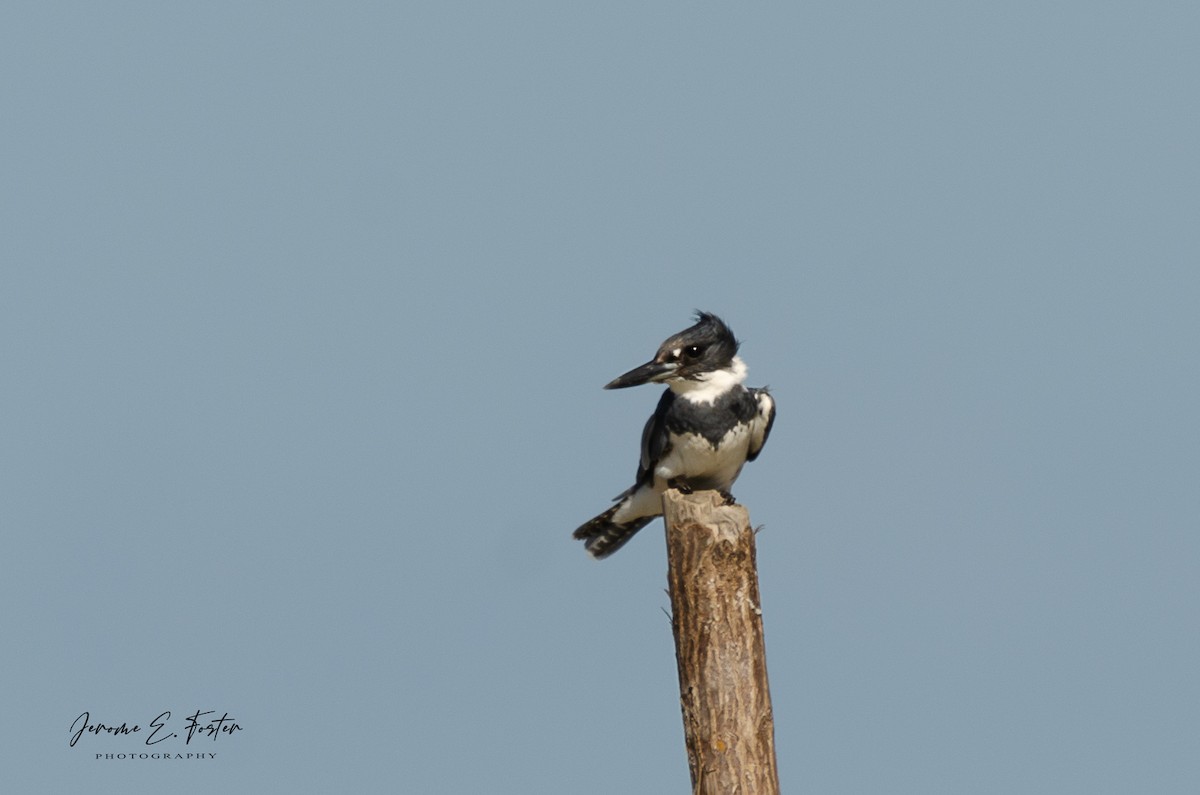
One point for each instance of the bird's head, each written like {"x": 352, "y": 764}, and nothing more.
{"x": 707, "y": 347}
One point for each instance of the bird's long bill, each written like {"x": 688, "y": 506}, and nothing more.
{"x": 650, "y": 372}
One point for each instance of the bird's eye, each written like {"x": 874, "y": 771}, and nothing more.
{"x": 692, "y": 351}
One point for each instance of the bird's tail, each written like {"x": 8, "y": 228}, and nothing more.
{"x": 602, "y": 536}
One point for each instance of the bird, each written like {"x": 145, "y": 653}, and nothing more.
{"x": 706, "y": 427}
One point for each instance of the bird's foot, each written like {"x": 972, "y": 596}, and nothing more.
{"x": 727, "y": 496}
{"x": 680, "y": 485}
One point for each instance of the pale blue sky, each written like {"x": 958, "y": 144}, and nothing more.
{"x": 306, "y": 309}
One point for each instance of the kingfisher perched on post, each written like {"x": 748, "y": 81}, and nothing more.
{"x": 706, "y": 427}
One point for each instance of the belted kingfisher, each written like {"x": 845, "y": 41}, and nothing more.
{"x": 707, "y": 425}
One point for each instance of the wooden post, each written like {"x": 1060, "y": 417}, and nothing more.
{"x": 717, "y": 620}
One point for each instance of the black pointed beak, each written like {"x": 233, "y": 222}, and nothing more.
{"x": 648, "y": 373}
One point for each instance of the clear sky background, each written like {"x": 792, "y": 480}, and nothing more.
{"x": 304, "y": 314}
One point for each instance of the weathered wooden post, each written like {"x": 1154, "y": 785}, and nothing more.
{"x": 717, "y": 621}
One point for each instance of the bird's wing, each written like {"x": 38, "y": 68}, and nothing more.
{"x": 761, "y": 426}
{"x": 655, "y": 441}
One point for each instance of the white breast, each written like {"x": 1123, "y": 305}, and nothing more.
{"x": 692, "y": 457}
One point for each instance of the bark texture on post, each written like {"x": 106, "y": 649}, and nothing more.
{"x": 717, "y": 621}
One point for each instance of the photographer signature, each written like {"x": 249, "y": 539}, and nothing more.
{"x": 198, "y": 724}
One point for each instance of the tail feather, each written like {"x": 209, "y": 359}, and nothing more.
{"x": 602, "y": 536}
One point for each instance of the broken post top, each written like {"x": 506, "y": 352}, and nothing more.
{"x": 708, "y": 509}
